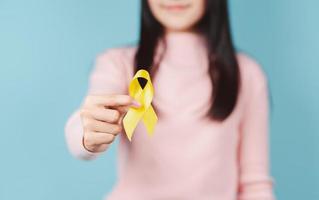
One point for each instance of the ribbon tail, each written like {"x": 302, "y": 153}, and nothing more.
{"x": 130, "y": 122}
{"x": 150, "y": 120}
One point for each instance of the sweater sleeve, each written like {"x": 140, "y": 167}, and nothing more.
{"x": 255, "y": 183}
{"x": 107, "y": 77}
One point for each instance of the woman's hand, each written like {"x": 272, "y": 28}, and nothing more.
{"x": 102, "y": 119}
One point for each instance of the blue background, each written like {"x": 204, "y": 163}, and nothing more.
{"x": 46, "y": 53}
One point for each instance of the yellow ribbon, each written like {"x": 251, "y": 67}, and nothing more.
{"x": 146, "y": 112}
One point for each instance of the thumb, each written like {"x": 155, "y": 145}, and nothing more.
{"x": 124, "y": 109}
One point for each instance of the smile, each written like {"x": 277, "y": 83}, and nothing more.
{"x": 175, "y": 7}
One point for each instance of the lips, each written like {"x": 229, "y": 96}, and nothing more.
{"x": 176, "y": 7}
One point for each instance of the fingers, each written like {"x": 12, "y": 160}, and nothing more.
{"x": 99, "y": 126}
{"x": 92, "y": 139}
{"x": 103, "y": 114}
{"x": 111, "y": 100}
{"x": 123, "y": 109}
{"x": 102, "y": 119}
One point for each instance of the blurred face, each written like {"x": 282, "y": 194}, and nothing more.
{"x": 177, "y": 15}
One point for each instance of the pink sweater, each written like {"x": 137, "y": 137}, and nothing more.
{"x": 189, "y": 157}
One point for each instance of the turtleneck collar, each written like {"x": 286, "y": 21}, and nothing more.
{"x": 179, "y": 38}
{"x": 183, "y": 47}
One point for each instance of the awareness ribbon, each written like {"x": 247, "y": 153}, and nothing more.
{"x": 145, "y": 112}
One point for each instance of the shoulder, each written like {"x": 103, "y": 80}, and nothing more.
{"x": 118, "y": 60}
{"x": 111, "y": 70}
{"x": 251, "y": 72}
{"x": 253, "y": 81}
{"x": 118, "y": 54}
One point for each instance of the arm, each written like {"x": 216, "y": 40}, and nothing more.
{"x": 255, "y": 182}
{"x": 107, "y": 77}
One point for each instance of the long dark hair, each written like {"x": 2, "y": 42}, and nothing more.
{"x": 223, "y": 66}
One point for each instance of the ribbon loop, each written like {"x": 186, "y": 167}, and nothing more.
{"x": 146, "y": 112}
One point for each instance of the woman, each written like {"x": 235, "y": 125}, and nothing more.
{"x": 211, "y": 140}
